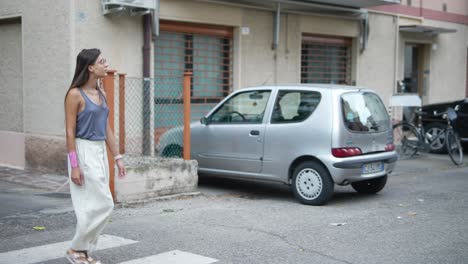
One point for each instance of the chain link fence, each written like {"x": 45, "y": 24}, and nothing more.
{"x": 151, "y": 124}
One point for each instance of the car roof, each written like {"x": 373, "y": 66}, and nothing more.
{"x": 327, "y": 87}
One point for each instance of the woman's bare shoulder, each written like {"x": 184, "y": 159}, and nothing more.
{"x": 74, "y": 93}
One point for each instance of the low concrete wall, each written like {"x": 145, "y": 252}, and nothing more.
{"x": 46, "y": 153}
{"x": 12, "y": 149}
{"x": 154, "y": 178}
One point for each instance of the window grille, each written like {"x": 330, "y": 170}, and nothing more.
{"x": 325, "y": 60}
{"x": 206, "y": 51}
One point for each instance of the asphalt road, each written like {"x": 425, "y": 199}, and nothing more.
{"x": 420, "y": 217}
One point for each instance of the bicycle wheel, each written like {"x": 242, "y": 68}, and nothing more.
{"x": 454, "y": 147}
{"x": 406, "y": 139}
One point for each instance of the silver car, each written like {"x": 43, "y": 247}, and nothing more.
{"x": 310, "y": 137}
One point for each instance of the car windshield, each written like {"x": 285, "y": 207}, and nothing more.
{"x": 364, "y": 112}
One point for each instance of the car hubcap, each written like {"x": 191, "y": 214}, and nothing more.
{"x": 309, "y": 183}
{"x": 434, "y": 138}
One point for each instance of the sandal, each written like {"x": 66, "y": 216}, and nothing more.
{"x": 93, "y": 261}
{"x": 76, "y": 257}
{"x": 80, "y": 257}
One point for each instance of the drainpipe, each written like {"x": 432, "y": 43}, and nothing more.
{"x": 147, "y": 145}
{"x": 397, "y": 53}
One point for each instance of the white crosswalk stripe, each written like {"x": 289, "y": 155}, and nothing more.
{"x": 57, "y": 250}
{"x": 173, "y": 257}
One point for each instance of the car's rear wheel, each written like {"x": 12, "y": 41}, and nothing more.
{"x": 312, "y": 183}
{"x": 172, "y": 151}
{"x": 435, "y": 138}
{"x": 370, "y": 186}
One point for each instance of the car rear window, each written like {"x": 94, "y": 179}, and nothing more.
{"x": 364, "y": 112}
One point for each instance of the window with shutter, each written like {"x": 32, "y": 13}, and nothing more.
{"x": 205, "y": 51}
{"x": 325, "y": 59}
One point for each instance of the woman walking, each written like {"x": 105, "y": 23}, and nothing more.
{"x": 87, "y": 132}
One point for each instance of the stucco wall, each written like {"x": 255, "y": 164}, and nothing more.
{"x": 11, "y": 88}
{"x": 376, "y": 65}
{"x": 448, "y": 63}
{"x": 46, "y": 47}
{"x": 118, "y": 36}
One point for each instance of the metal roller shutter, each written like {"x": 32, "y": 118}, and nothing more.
{"x": 325, "y": 59}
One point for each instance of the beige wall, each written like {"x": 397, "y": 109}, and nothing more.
{"x": 11, "y": 88}
{"x": 46, "y": 66}
{"x": 255, "y": 62}
{"x": 376, "y": 65}
{"x": 119, "y": 37}
{"x": 45, "y": 50}
{"x": 448, "y": 63}
{"x": 12, "y": 149}
{"x": 453, "y": 6}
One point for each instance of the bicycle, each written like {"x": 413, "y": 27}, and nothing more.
{"x": 408, "y": 138}
{"x": 452, "y": 139}
{"x": 411, "y": 139}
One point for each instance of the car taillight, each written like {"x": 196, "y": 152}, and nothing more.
{"x": 390, "y": 147}
{"x": 345, "y": 152}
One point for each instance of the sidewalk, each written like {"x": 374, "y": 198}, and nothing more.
{"x": 59, "y": 183}
{"x": 36, "y": 179}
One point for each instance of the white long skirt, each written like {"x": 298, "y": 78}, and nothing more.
{"x": 92, "y": 200}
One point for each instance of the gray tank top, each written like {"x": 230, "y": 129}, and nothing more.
{"x": 91, "y": 124}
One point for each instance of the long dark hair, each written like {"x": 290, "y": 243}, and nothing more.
{"x": 85, "y": 58}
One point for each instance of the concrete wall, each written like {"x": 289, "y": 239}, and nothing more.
{"x": 119, "y": 37}
{"x": 448, "y": 63}
{"x": 12, "y": 149}
{"x": 11, "y": 88}
{"x": 153, "y": 178}
{"x": 453, "y": 6}
{"x": 46, "y": 42}
{"x": 376, "y": 65}
{"x": 46, "y": 65}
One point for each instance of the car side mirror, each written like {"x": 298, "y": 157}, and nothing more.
{"x": 204, "y": 121}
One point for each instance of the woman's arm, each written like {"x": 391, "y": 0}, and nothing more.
{"x": 72, "y": 106}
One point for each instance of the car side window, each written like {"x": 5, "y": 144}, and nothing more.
{"x": 243, "y": 108}
{"x": 294, "y": 106}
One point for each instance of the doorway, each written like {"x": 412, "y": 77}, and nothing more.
{"x": 413, "y": 69}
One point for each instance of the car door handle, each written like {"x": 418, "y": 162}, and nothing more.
{"x": 254, "y": 132}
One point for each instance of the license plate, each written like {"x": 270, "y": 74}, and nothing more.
{"x": 372, "y": 167}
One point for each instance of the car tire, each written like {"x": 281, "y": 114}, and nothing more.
{"x": 433, "y": 129}
{"x": 370, "y": 186}
{"x": 312, "y": 183}
{"x": 172, "y": 151}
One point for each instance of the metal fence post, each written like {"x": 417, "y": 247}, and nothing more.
{"x": 109, "y": 89}
{"x": 122, "y": 113}
{"x": 187, "y": 84}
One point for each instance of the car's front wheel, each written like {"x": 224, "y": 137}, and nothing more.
{"x": 312, "y": 183}
{"x": 370, "y": 186}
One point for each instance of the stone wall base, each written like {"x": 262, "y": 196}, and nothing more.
{"x": 46, "y": 153}
{"x": 155, "y": 178}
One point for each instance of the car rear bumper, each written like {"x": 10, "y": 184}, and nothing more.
{"x": 347, "y": 170}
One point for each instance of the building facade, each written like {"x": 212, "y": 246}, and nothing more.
{"x": 227, "y": 45}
